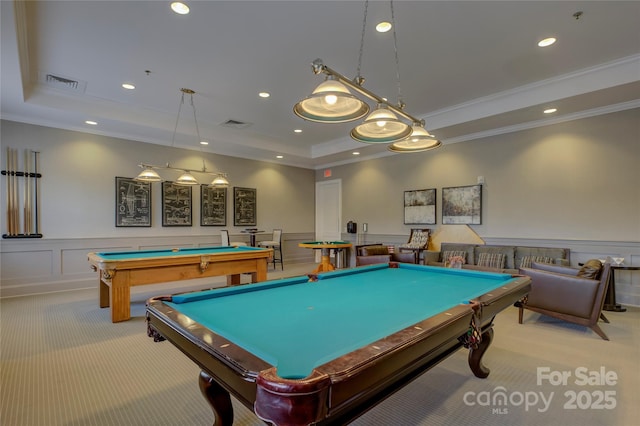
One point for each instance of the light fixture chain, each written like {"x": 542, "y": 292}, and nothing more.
{"x": 364, "y": 24}
{"x": 395, "y": 47}
{"x": 175, "y": 128}
{"x": 195, "y": 119}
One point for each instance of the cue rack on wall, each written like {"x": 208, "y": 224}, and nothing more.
{"x": 22, "y": 195}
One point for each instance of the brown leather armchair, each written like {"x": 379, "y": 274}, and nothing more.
{"x": 378, "y": 253}
{"x": 573, "y": 295}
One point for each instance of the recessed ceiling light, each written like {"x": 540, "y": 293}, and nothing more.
{"x": 279, "y": 156}
{"x": 383, "y": 27}
{"x": 179, "y": 8}
{"x": 204, "y": 143}
{"x": 546, "y": 42}
{"x": 264, "y": 94}
{"x": 550, "y": 110}
{"x": 355, "y": 153}
{"x": 91, "y": 122}
{"x": 297, "y": 131}
{"x": 128, "y": 86}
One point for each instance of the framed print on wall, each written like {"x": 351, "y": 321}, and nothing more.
{"x": 462, "y": 205}
{"x": 133, "y": 203}
{"x": 176, "y": 204}
{"x": 420, "y": 207}
{"x": 213, "y": 206}
{"x": 244, "y": 206}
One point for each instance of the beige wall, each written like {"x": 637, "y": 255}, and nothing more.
{"x": 573, "y": 185}
{"x": 78, "y": 184}
{"x": 578, "y": 180}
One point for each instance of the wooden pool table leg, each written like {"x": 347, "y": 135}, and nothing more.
{"x": 233, "y": 279}
{"x": 475, "y": 355}
{"x": 218, "y": 398}
{"x": 120, "y": 297}
{"x": 104, "y": 292}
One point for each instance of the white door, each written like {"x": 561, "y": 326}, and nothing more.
{"x": 328, "y": 211}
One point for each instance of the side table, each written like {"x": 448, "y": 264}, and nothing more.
{"x": 610, "y": 303}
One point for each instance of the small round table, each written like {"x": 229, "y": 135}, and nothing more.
{"x": 252, "y": 235}
{"x": 326, "y": 247}
{"x": 610, "y": 303}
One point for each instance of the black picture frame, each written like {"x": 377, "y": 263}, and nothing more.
{"x": 420, "y": 207}
{"x": 133, "y": 203}
{"x": 462, "y": 205}
{"x": 244, "y": 206}
{"x": 176, "y": 204}
{"x": 213, "y": 206}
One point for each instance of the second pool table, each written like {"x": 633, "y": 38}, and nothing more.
{"x": 119, "y": 271}
{"x": 324, "y": 349}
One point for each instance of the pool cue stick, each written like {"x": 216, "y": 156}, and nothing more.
{"x": 16, "y": 195}
{"x": 13, "y": 195}
{"x": 36, "y": 191}
{"x": 8, "y": 193}
{"x": 27, "y": 194}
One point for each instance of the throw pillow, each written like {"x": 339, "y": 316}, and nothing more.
{"x": 446, "y": 255}
{"x": 491, "y": 260}
{"x": 590, "y": 269}
{"x": 526, "y": 260}
{"x": 375, "y": 250}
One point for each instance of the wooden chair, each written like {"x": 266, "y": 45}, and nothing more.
{"x": 276, "y": 244}
{"x": 418, "y": 242}
{"x": 224, "y": 240}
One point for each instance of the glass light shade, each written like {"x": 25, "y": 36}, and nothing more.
{"x": 381, "y": 126}
{"x": 419, "y": 140}
{"x": 186, "y": 179}
{"x": 331, "y": 102}
{"x": 148, "y": 175}
{"x": 220, "y": 182}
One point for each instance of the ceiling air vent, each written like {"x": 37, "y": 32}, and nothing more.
{"x": 62, "y": 82}
{"x": 235, "y": 124}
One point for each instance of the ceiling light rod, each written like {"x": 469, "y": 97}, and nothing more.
{"x": 319, "y": 67}
{"x": 180, "y": 169}
{"x": 149, "y": 173}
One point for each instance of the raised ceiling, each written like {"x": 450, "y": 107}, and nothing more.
{"x": 470, "y": 69}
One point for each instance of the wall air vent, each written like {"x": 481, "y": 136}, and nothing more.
{"x": 58, "y": 81}
{"x": 235, "y": 124}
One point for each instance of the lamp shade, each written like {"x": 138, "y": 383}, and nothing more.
{"x": 148, "y": 175}
{"x": 381, "y": 126}
{"x": 331, "y": 102}
{"x": 419, "y": 140}
{"x": 220, "y": 181}
{"x": 186, "y": 179}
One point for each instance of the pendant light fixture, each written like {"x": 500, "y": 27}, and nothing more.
{"x": 149, "y": 173}
{"x": 381, "y": 126}
{"x": 420, "y": 140}
{"x": 332, "y": 102}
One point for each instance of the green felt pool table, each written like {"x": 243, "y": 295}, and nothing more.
{"x": 325, "y": 348}
{"x": 119, "y": 271}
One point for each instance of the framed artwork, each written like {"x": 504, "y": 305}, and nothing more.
{"x": 213, "y": 206}
{"x": 420, "y": 207}
{"x": 462, "y": 205}
{"x": 133, "y": 203}
{"x": 244, "y": 206}
{"x": 176, "y": 204}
